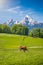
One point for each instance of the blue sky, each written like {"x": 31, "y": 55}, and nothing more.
{"x": 18, "y": 9}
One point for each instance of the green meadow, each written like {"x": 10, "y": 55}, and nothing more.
{"x": 11, "y": 55}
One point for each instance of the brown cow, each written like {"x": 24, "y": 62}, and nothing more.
{"x": 24, "y": 48}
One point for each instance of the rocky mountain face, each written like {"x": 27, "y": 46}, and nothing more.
{"x": 27, "y": 21}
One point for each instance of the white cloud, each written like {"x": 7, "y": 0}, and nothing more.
{"x": 18, "y": 13}
{"x": 18, "y": 10}
{"x": 14, "y": 10}
{"x": 21, "y": 12}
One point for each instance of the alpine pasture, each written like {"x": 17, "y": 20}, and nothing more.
{"x": 11, "y": 55}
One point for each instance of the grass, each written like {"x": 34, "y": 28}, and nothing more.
{"x": 12, "y": 41}
{"x": 10, "y": 54}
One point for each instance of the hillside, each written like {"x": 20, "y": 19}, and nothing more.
{"x": 11, "y": 55}
{"x": 12, "y": 41}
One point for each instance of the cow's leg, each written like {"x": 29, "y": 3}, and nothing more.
{"x": 24, "y": 50}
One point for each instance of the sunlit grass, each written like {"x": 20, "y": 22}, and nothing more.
{"x": 13, "y": 41}
{"x": 11, "y": 55}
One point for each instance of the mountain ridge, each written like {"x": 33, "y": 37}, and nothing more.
{"x": 27, "y": 21}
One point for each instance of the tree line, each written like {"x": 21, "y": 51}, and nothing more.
{"x": 36, "y": 32}
{"x": 21, "y": 30}
{"x": 15, "y": 29}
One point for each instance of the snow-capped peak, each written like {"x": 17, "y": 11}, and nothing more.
{"x": 28, "y": 20}
{"x": 27, "y": 17}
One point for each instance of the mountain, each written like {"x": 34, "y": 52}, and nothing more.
{"x": 27, "y": 21}
{"x": 10, "y": 22}
{"x": 30, "y": 22}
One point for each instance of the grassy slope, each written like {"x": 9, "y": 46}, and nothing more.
{"x": 9, "y": 55}
{"x": 12, "y": 41}
{"x": 16, "y": 57}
